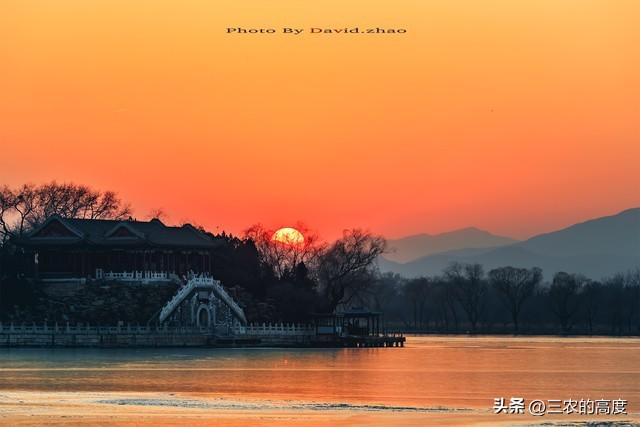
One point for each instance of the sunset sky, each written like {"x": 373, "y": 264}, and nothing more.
{"x": 513, "y": 116}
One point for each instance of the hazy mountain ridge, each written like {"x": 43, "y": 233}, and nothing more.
{"x": 596, "y": 248}
{"x": 411, "y": 248}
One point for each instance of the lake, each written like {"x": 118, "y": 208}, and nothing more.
{"x": 431, "y": 381}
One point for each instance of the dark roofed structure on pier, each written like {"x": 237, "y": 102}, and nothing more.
{"x": 354, "y": 327}
{"x": 91, "y": 248}
{"x": 353, "y": 321}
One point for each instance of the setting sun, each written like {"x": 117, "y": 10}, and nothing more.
{"x": 288, "y": 235}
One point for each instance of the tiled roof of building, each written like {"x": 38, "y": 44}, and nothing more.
{"x": 99, "y": 232}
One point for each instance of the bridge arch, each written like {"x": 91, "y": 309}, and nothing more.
{"x": 203, "y": 316}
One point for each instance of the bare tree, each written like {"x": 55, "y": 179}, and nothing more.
{"x": 471, "y": 289}
{"x": 632, "y": 300}
{"x": 563, "y": 295}
{"x": 26, "y": 207}
{"x": 18, "y": 206}
{"x": 614, "y": 300}
{"x": 7, "y": 202}
{"x": 284, "y": 258}
{"x": 156, "y": 213}
{"x": 384, "y": 294}
{"x": 77, "y": 201}
{"x": 347, "y": 267}
{"x": 591, "y": 296}
{"x": 516, "y": 285}
{"x": 417, "y": 293}
{"x": 447, "y": 296}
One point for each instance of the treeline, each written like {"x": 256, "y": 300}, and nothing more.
{"x": 466, "y": 299}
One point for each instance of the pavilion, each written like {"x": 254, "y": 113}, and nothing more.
{"x": 351, "y": 322}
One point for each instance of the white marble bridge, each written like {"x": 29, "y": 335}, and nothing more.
{"x": 204, "y": 303}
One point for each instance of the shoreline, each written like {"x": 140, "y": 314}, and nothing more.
{"x": 121, "y": 336}
{"x": 159, "y": 337}
{"x": 97, "y": 340}
{"x": 152, "y": 408}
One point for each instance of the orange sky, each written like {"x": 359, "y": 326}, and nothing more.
{"x": 513, "y": 116}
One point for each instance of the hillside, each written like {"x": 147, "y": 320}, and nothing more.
{"x": 413, "y": 247}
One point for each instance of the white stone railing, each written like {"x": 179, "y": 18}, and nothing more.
{"x": 46, "y": 328}
{"x": 264, "y": 329}
{"x": 119, "y": 276}
{"x": 275, "y": 329}
{"x": 133, "y": 276}
{"x": 224, "y": 296}
{"x": 202, "y": 280}
{"x": 177, "y": 299}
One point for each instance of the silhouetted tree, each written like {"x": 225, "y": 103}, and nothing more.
{"x": 449, "y": 297}
{"x": 591, "y": 301}
{"x": 281, "y": 257}
{"x": 26, "y": 207}
{"x": 301, "y": 277}
{"x": 156, "y": 213}
{"x": 417, "y": 292}
{"x": 384, "y": 294}
{"x": 443, "y": 303}
{"x": 293, "y": 303}
{"x": 237, "y": 262}
{"x": 515, "y": 285}
{"x": 632, "y": 301}
{"x": 471, "y": 288}
{"x": 563, "y": 296}
{"x": 614, "y": 299}
{"x": 347, "y": 267}
{"x": 622, "y": 296}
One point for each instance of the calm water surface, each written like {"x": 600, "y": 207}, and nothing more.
{"x": 443, "y": 373}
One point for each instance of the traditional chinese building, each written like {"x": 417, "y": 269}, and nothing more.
{"x": 63, "y": 248}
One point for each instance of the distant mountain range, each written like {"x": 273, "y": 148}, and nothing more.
{"x": 596, "y": 248}
{"x": 421, "y": 245}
